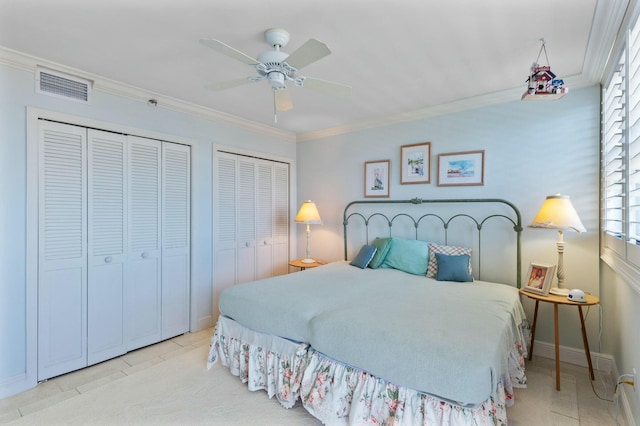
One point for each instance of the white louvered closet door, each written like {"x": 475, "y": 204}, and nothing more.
{"x": 265, "y": 215}
{"x": 143, "y": 314}
{"x": 225, "y": 228}
{"x": 252, "y": 219}
{"x": 246, "y": 203}
{"x": 107, "y": 261}
{"x": 176, "y": 184}
{"x": 280, "y": 219}
{"x": 62, "y": 249}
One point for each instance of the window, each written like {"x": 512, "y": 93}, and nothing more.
{"x": 621, "y": 157}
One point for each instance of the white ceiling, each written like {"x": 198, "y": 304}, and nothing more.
{"x": 399, "y": 56}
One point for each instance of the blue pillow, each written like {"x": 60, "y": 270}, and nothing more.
{"x": 382, "y": 245}
{"x": 364, "y": 256}
{"x": 411, "y": 256}
{"x": 453, "y": 268}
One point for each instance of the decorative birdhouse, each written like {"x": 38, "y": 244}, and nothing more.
{"x": 542, "y": 82}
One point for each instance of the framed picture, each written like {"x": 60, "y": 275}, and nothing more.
{"x": 461, "y": 168}
{"x": 376, "y": 178}
{"x": 415, "y": 163}
{"x": 539, "y": 278}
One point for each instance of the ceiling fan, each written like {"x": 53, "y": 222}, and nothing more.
{"x": 278, "y": 68}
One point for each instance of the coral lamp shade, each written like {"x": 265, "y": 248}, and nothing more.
{"x": 557, "y": 212}
{"x": 308, "y": 213}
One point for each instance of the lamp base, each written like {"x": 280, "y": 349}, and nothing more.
{"x": 309, "y": 260}
{"x": 559, "y": 291}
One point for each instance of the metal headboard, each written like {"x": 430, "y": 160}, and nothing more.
{"x": 479, "y": 219}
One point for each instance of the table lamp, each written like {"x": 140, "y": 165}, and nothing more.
{"x": 309, "y": 215}
{"x": 557, "y": 212}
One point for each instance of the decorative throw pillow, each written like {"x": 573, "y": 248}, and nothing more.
{"x": 382, "y": 245}
{"x": 432, "y": 268}
{"x": 453, "y": 268}
{"x": 410, "y": 256}
{"x": 364, "y": 256}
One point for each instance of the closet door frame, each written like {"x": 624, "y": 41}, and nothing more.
{"x": 29, "y": 378}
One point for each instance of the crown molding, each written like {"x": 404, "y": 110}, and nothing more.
{"x": 488, "y": 99}
{"x": 29, "y": 63}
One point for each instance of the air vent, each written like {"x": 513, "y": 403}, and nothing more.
{"x": 62, "y": 85}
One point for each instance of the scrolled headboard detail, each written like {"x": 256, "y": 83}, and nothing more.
{"x": 444, "y": 221}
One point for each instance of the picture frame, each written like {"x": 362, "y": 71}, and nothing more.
{"x": 415, "y": 163}
{"x": 376, "y": 179}
{"x": 461, "y": 168}
{"x": 539, "y": 278}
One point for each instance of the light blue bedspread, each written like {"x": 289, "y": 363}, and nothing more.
{"x": 447, "y": 339}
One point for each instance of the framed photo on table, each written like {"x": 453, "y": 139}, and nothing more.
{"x": 461, "y": 168}
{"x": 539, "y": 278}
{"x": 415, "y": 163}
{"x": 376, "y": 179}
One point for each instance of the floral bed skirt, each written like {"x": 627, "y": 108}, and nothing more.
{"x": 339, "y": 394}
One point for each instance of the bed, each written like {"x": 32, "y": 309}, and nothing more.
{"x": 421, "y": 323}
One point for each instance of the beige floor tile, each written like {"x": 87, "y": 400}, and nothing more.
{"x": 47, "y": 402}
{"x": 42, "y": 391}
{"x": 87, "y": 375}
{"x": 101, "y": 382}
{"x": 150, "y": 352}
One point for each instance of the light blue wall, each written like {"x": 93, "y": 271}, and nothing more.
{"x": 17, "y": 93}
{"x": 532, "y": 149}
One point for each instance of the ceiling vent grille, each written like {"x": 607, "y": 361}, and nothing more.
{"x": 61, "y": 85}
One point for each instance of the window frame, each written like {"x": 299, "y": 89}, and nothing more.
{"x": 620, "y": 246}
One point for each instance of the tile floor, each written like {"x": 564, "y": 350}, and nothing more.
{"x": 576, "y": 404}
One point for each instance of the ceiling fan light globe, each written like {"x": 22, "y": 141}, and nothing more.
{"x": 276, "y": 80}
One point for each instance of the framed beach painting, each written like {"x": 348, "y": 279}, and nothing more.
{"x": 539, "y": 278}
{"x": 461, "y": 168}
{"x": 415, "y": 163}
{"x": 376, "y": 178}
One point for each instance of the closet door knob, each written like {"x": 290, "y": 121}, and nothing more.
{"x": 265, "y": 243}
{"x": 144, "y": 255}
{"x": 246, "y": 244}
{"x": 108, "y": 259}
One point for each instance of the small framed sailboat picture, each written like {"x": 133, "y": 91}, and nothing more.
{"x": 376, "y": 178}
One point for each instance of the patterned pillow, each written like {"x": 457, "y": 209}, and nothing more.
{"x": 432, "y": 268}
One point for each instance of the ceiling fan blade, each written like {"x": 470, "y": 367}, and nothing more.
{"x": 227, "y": 50}
{"x": 327, "y": 87}
{"x": 282, "y": 100}
{"x": 313, "y": 50}
{"x": 228, "y": 84}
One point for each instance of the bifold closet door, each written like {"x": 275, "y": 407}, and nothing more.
{"x": 143, "y": 292}
{"x": 247, "y": 216}
{"x": 107, "y": 260}
{"x": 280, "y": 219}
{"x": 225, "y": 228}
{"x": 62, "y": 249}
{"x": 176, "y": 201}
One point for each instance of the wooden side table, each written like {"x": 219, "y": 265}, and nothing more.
{"x": 561, "y": 300}
{"x": 297, "y": 263}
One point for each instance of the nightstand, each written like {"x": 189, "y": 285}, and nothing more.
{"x": 297, "y": 263}
{"x": 561, "y": 300}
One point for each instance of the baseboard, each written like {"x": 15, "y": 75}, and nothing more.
{"x": 601, "y": 362}
{"x": 623, "y": 401}
{"x": 13, "y": 385}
